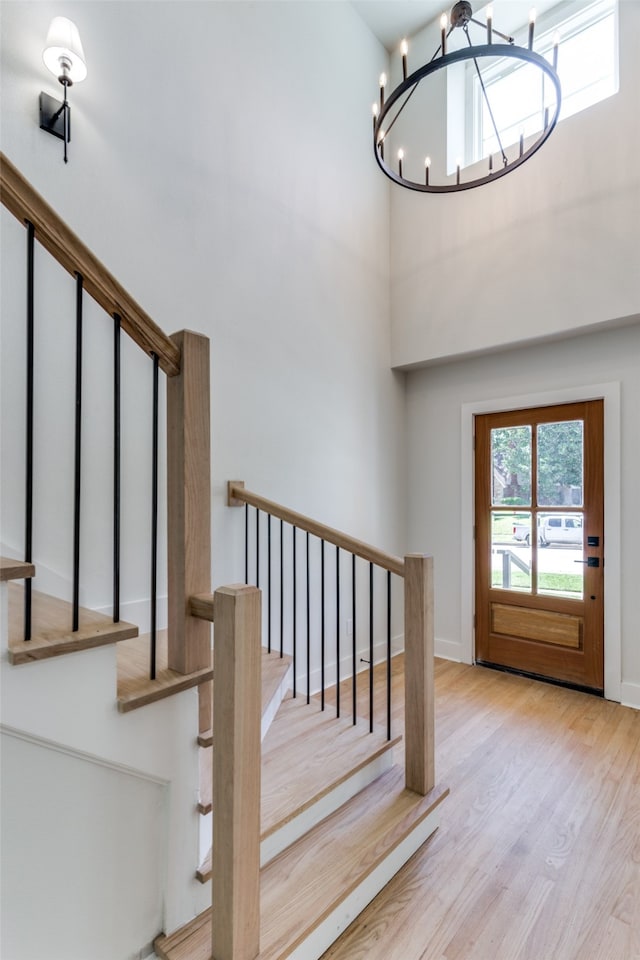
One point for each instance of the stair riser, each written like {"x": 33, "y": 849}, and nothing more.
{"x": 295, "y": 828}
{"x": 327, "y": 932}
{"x": 270, "y": 709}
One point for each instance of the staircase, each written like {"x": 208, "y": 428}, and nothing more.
{"x": 312, "y": 811}
{"x": 334, "y": 817}
{"x": 336, "y": 824}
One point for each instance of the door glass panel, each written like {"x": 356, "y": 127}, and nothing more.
{"x": 560, "y": 458}
{"x": 511, "y": 466}
{"x": 511, "y": 551}
{"x": 560, "y": 563}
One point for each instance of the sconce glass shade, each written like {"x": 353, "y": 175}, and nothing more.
{"x": 63, "y": 53}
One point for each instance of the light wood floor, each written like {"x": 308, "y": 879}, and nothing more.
{"x": 538, "y": 852}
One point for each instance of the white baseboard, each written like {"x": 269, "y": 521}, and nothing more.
{"x": 630, "y": 695}
{"x": 448, "y": 650}
{"x": 346, "y": 665}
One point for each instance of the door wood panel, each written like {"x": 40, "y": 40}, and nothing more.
{"x": 530, "y": 624}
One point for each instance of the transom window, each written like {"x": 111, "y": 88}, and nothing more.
{"x": 587, "y": 67}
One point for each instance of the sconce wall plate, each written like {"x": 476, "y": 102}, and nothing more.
{"x": 52, "y": 116}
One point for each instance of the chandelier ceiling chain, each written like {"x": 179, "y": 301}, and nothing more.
{"x": 461, "y": 17}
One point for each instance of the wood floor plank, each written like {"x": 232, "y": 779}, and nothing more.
{"x": 538, "y": 852}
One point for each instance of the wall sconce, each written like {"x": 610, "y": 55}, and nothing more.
{"x": 64, "y": 57}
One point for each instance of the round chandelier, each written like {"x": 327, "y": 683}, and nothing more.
{"x": 506, "y": 157}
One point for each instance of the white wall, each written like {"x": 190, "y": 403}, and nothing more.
{"x": 220, "y": 167}
{"x": 89, "y": 832}
{"x": 222, "y": 171}
{"x": 440, "y": 477}
{"x": 551, "y": 248}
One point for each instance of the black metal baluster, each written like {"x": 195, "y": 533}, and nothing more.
{"x": 388, "y": 655}
{"x": 28, "y": 532}
{"x": 337, "y": 631}
{"x": 354, "y": 663}
{"x": 370, "y": 648}
{"x": 281, "y": 588}
{"x": 295, "y": 651}
{"x": 77, "y": 458}
{"x": 246, "y": 543}
{"x": 322, "y": 626}
{"x": 116, "y": 468}
{"x": 308, "y": 628}
{"x": 257, "y": 547}
{"x": 154, "y": 518}
{"x": 269, "y": 582}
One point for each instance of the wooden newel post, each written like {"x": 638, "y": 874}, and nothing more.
{"x": 189, "y": 502}
{"x": 236, "y": 774}
{"x": 418, "y": 673}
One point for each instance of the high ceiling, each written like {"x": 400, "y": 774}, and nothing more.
{"x": 391, "y": 20}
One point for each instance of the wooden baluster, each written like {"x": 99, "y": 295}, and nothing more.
{"x": 189, "y": 502}
{"x": 236, "y": 774}
{"x": 418, "y": 673}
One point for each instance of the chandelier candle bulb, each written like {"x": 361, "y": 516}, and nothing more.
{"x": 400, "y": 159}
{"x": 383, "y": 83}
{"x": 375, "y": 111}
{"x": 556, "y": 43}
{"x": 521, "y": 143}
{"x": 427, "y": 164}
{"x": 404, "y": 50}
{"x": 532, "y": 23}
{"x": 458, "y": 164}
{"x": 490, "y": 163}
{"x": 444, "y": 22}
{"x": 546, "y": 117}
{"x": 489, "y": 23}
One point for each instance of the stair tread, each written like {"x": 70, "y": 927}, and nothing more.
{"x": 321, "y": 756}
{"x": 51, "y": 621}
{"x": 11, "y": 569}
{"x": 322, "y": 750}
{"x": 135, "y": 688}
{"x": 300, "y": 888}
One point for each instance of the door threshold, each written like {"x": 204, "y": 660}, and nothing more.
{"x": 536, "y": 676}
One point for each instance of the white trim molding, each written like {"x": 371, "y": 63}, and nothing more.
{"x": 610, "y": 393}
{"x": 630, "y": 695}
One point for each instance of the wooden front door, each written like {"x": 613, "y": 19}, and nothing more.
{"x": 539, "y": 542}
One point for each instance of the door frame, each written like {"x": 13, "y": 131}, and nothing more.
{"x": 610, "y": 394}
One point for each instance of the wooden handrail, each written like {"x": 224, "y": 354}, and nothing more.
{"x": 237, "y": 495}
{"x": 20, "y": 198}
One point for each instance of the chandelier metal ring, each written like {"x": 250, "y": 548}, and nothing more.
{"x": 493, "y": 50}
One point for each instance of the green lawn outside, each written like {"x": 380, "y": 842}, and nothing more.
{"x": 565, "y": 583}
{"x": 502, "y": 526}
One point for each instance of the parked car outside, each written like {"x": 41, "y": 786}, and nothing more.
{"x": 555, "y": 528}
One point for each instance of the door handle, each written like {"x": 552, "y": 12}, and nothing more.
{"x": 590, "y": 561}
